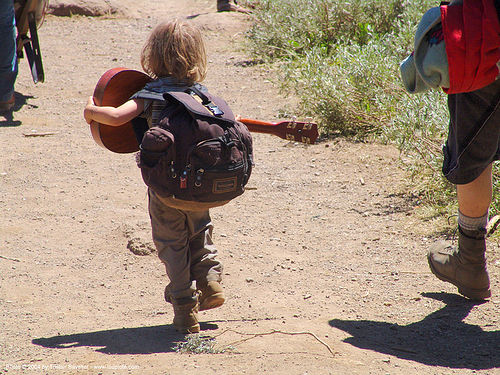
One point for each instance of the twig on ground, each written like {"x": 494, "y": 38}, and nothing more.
{"x": 34, "y": 134}
{"x": 254, "y": 335}
{"x": 7, "y": 258}
{"x": 244, "y": 320}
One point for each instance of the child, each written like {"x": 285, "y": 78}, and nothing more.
{"x": 174, "y": 55}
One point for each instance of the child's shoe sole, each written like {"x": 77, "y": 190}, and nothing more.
{"x": 212, "y": 302}
{"x": 186, "y": 330}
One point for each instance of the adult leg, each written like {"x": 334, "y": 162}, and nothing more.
{"x": 465, "y": 266}
{"x": 474, "y": 198}
{"x": 8, "y": 57}
{"x": 472, "y": 145}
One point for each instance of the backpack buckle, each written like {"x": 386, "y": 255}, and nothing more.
{"x": 216, "y": 111}
{"x": 206, "y": 102}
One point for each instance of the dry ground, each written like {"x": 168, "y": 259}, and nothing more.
{"x": 323, "y": 243}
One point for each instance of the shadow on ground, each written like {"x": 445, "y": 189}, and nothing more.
{"x": 440, "y": 339}
{"x": 8, "y": 116}
{"x": 140, "y": 340}
{"x": 193, "y": 16}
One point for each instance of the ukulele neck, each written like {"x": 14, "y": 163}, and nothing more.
{"x": 258, "y": 126}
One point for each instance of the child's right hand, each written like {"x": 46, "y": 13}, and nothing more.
{"x": 87, "y": 112}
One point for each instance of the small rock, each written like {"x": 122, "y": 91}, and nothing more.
{"x": 140, "y": 247}
{"x": 92, "y": 8}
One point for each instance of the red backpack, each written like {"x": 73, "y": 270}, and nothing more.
{"x": 472, "y": 36}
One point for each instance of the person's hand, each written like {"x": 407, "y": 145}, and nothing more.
{"x": 87, "y": 112}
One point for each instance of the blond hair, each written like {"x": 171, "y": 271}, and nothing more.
{"x": 175, "y": 49}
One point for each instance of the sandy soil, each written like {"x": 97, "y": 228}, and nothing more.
{"x": 324, "y": 245}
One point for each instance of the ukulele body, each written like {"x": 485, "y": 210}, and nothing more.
{"x": 114, "y": 88}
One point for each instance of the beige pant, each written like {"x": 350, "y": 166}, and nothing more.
{"x": 184, "y": 243}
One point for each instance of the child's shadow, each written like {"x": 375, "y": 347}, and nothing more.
{"x": 140, "y": 340}
{"x": 440, "y": 339}
{"x": 21, "y": 101}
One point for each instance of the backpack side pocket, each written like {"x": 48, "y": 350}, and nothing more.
{"x": 156, "y": 156}
{"x": 155, "y": 143}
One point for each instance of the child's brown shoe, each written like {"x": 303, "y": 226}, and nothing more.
{"x": 186, "y": 315}
{"x": 211, "y": 295}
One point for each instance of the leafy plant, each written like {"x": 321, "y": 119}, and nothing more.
{"x": 197, "y": 344}
{"x": 341, "y": 58}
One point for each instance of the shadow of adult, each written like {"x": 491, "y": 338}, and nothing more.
{"x": 21, "y": 101}
{"x": 440, "y": 339}
{"x": 139, "y": 340}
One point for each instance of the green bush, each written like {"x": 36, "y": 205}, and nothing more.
{"x": 341, "y": 59}
{"x": 295, "y": 26}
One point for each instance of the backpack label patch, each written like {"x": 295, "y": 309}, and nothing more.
{"x": 224, "y": 185}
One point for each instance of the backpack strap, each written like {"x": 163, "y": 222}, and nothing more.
{"x": 153, "y": 94}
{"x": 211, "y": 107}
{"x": 497, "y": 7}
{"x": 148, "y": 95}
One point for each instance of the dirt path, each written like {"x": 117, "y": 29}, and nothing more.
{"x": 322, "y": 244}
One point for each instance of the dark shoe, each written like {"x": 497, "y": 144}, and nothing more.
{"x": 8, "y": 105}
{"x": 464, "y": 267}
{"x": 186, "y": 315}
{"x": 211, "y": 295}
{"x": 226, "y": 6}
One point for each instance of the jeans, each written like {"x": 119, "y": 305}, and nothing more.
{"x": 8, "y": 57}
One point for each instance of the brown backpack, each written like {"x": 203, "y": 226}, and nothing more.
{"x": 198, "y": 151}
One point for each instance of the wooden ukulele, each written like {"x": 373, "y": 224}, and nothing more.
{"x": 117, "y": 85}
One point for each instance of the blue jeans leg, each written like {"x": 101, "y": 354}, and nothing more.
{"x": 8, "y": 58}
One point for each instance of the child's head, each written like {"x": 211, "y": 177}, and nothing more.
{"x": 175, "y": 49}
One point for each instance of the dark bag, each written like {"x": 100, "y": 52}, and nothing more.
{"x": 198, "y": 152}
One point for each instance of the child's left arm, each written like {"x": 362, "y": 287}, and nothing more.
{"x": 111, "y": 115}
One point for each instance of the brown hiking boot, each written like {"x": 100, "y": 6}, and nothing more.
{"x": 227, "y": 6}
{"x": 464, "y": 267}
{"x": 186, "y": 315}
{"x": 211, "y": 295}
